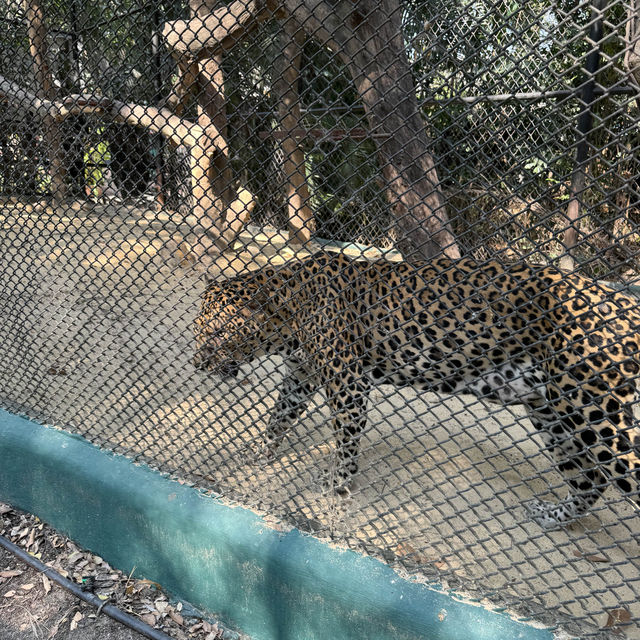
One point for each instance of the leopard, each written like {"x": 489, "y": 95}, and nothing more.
{"x": 563, "y": 346}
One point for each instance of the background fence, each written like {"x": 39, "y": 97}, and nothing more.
{"x": 142, "y": 142}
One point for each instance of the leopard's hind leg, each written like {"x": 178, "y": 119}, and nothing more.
{"x": 585, "y": 479}
{"x": 591, "y": 441}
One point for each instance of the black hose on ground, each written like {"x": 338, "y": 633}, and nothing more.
{"x": 91, "y": 598}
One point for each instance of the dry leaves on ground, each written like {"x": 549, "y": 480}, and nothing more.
{"x": 142, "y": 598}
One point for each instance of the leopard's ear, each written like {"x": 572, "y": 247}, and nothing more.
{"x": 257, "y": 303}
{"x": 207, "y": 279}
{"x": 257, "y": 298}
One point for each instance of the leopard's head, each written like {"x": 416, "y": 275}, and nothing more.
{"x": 230, "y": 327}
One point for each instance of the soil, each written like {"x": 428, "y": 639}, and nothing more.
{"x": 96, "y": 310}
{"x": 33, "y": 607}
{"x": 34, "y": 614}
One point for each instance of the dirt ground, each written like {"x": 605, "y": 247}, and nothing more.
{"x": 33, "y": 607}
{"x": 34, "y": 614}
{"x": 95, "y": 325}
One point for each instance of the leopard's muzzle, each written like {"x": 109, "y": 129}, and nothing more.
{"x": 225, "y": 369}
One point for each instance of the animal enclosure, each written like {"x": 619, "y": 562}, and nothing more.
{"x": 143, "y": 146}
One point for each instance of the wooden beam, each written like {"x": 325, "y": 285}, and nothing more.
{"x": 163, "y": 121}
{"x": 300, "y": 133}
{"x": 210, "y": 34}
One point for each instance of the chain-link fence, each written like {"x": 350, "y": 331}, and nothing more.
{"x": 421, "y": 409}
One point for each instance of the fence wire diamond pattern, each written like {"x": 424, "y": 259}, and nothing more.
{"x": 368, "y": 267}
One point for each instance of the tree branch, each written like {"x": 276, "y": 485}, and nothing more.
{"x": 220, "y": 30}
{"x": 163, "y": 121}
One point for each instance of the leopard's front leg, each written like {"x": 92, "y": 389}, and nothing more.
{"x": 348, "y": 394}
{"x": 294, "y": 396}
{"x": 338, "y": 356}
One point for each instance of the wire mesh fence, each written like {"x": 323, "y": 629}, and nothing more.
{"x": 418, "y": 334}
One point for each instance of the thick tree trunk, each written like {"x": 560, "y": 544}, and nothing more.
{"x": 632, "y": 51}
{"x": 285, "y": 87}
{"x": 37, "y": 32}
{"x": 381, "y": 72}
{"x": 367, "y": 36}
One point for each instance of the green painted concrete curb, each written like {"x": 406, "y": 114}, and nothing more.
{"x": 269, "y": 584}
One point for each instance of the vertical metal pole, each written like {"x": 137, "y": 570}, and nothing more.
{"x": 75, "y": 41}
{"x": 585, "y": 123}
{"x": 157, "y": 85}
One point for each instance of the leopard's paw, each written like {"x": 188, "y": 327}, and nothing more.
{"x": 336, "y": 483}
{"x": 549, "y": 515}
{"x": 264, "y": 450}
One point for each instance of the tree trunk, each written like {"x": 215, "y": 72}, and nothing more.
{"x": 37, "y": 32}
{"x": 367, "y": 36}
{"x": 211, "y": 173}
{"x": 285, "y": 88}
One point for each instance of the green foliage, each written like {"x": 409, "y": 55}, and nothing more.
{"x": 96, "y": 157}
{"x": 520, "y": 151}
{"x": 346, "y": 198}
